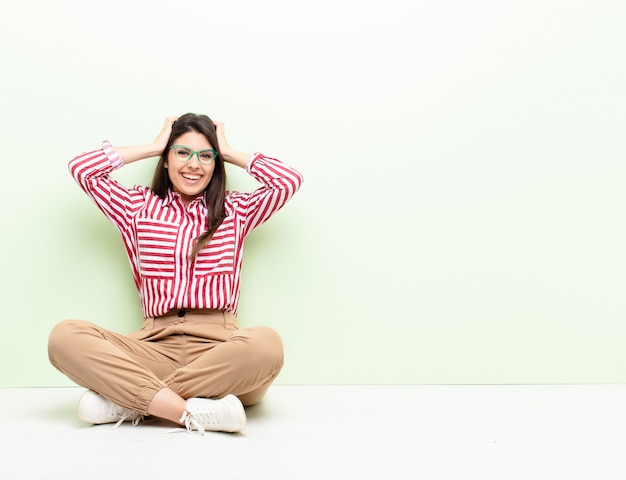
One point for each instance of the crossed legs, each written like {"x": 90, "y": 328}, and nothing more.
{"x": 157, "y": 377}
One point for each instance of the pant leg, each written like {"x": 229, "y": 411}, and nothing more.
{"x": 204, "y": 355}
{"x": 243, "y": 362}
{"x": 108, "y": 363}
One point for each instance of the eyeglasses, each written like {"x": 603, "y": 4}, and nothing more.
{"x": 184, "y": 154}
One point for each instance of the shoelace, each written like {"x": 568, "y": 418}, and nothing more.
{"x": 192, "y": 423}
{"x": 134, "y": 422}
{"x": 125, "y": 415}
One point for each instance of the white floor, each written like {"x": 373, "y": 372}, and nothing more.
{"x": 328, "y": 432}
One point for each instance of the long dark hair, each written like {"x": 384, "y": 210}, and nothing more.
{"x": 215, "y": 192}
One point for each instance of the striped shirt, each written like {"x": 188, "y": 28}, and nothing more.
{"x": 159, "y": 233}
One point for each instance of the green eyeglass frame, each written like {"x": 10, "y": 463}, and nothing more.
{"x": 184, "y": 154}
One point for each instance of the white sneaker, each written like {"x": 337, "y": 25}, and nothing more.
{"x": 223, "y": 415}
{"x": 94, "y": 408}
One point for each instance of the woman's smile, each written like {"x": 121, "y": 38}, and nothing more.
{"x": 191, "y": 177}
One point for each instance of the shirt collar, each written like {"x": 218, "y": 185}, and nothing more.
{"x": 173, "y": 196}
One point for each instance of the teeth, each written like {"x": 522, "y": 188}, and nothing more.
{"x": 191, "y": 177}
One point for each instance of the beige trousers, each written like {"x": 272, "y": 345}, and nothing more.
{"x": 196, "y": 353}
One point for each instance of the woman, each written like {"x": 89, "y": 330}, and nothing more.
{"x": 190, "y": 363}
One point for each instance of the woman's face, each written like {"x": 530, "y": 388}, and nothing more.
{"x": 188, "y": 174}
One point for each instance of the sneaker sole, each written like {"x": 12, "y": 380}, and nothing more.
{"x": 236, "y": 407}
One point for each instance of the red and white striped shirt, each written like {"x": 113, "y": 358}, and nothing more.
{"x": 159, "y": 233}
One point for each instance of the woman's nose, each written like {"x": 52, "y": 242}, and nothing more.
{"x": 194, "y": 161}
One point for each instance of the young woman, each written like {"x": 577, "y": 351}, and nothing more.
{"x": 190, "y": 363}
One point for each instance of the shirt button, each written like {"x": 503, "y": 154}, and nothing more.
{"x": 181, "y": 313}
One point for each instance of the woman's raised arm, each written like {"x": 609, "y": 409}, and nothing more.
{"x": 154, "y": 149}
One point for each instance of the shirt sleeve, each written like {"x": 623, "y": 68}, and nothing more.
{"x": 280, "y": 183}
{"x": 91, "y": 171}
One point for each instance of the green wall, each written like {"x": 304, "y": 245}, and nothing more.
{"x": 461, "y": 219}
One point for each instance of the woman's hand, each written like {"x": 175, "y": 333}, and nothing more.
{"x": 161, "y": 141}
{"x": 221, "y": 138}
{"x": 228, "y": 154}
